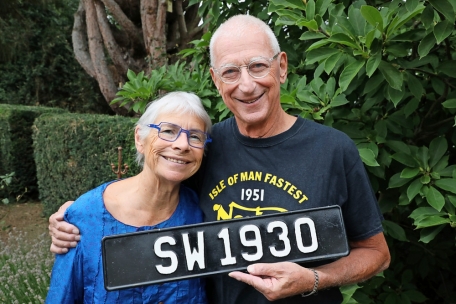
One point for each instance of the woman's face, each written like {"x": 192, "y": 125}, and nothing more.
{"x": 172, "y": 161}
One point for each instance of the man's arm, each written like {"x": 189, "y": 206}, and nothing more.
{"x": 63, "y": 234}
{"x": 285, "y": 279}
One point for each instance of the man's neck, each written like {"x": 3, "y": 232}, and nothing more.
{"x": 271, "y": 127}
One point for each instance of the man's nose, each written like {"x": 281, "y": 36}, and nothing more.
{"x": 246, "y": 82}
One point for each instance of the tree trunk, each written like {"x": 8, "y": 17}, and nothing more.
{"x": 112, "y": 36}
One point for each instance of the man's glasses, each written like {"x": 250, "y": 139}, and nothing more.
{"x": 170, "y": 132}
{"x": 257, "y": 68}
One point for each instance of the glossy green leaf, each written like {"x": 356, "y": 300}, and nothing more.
{"x": 431, "y": 221}
{"x": 396, "y": 181}
{"x": 427, "y": 235}
{"x": 372, "y": 63}
{"x": 426, "y": 45}
{"x": 310, "y": 10}
{"x": 343, "y": 39}
{"x": 410, "y": 172}
{"x": 331, "y": 62}
{"x": 319, "y": 54}
{"x": 413, "y": 189}
{"x": 357, "y": 21}
{"x": 339, "y": 100}
{"x": 310, "y": 24}
{"x": 394, "y": 230}
{"x": 391, "y": 74}
{"x": 452, "y": 200}
{"x": 372, "y": 15}
{"x": 311, "y": 35}
{"x": 448, "y": 67}
{"x": 427, "y": 17}
{"x": 414, "y": 86}
{"x": 445, "y": 8}
{"x": 411, "y": 106}
{"x": 448, "y": 184}
{"x": 437, "y": 149}
{"x": 405, "y": 159}
{"x": 395, "y": 96}
{"x": 398, "y": 146}
{"x": 425, "y": 179}
{"x": 368, "y": 157}
{"x": 411, "y": 5}
{"x": 435, "y": 198}
{"x": 349, "y": 73}
{"x": 442, "y": 30}
{"x": 450, "y": 103}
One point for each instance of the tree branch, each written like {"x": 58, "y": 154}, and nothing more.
{"x": 108, "y": 39}
{"x": 79, "y": 38}
{"x": 153, "y": 18}
{"x": 132, "y": 31}
{"x": 96, "y": 49}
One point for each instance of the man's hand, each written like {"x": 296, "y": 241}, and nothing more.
{"x": 278, "y": 280}
{"x": 63, "y": 235}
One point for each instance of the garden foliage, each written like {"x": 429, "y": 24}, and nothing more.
{"x": 16, "y": 149}
{"x": 74, "y": 152}
{"x": 383, "y": 73}
{"x": 37, "y": 63}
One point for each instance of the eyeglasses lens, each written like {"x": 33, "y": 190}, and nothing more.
{"x": 256, "y": 68}
{"x": 171, "y": 132}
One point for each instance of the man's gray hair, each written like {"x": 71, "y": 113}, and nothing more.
{"x": 239, "y": 25}
{"x": 179, "y": 103}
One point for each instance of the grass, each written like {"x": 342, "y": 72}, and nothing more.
{"x": 25, "y": 268}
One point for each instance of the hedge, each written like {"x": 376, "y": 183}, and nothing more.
{"x": 16, "y": 151}
{"x": 74, "y": 152}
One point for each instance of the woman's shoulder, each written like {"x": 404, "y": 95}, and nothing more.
{"x": 88, "y": 204}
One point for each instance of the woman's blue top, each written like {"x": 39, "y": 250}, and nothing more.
{"x": 77, "y": 276}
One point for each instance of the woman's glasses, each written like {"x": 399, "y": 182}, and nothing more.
{"x": 170, "y": 132}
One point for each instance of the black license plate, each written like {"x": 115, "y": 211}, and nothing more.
{"x": 163, "y": 255}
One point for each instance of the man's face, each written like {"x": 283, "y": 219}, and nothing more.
{"x": 252, "y": 100}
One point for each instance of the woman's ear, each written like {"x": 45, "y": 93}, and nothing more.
{"x": 138, "y": 142}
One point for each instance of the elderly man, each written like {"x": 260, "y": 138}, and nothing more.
{"x": 266, "y": 159}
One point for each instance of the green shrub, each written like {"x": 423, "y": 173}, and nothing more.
{"x": 16, "y": 151}
{"x": 73, "y": 154}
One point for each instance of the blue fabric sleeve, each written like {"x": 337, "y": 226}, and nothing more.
{"x": 67, "y": 278}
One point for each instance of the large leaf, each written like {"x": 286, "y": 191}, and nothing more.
{"x": 448, "y": 184}
{"x": 437, "y": 149}
{"x": 345, "y": 40}
{"x": 442, "y": 30}
{"x": 396, "y": 181}
{"x": 372, "y": 15}
{"x": 349, "y": 73}
{"x": 435, "y": 198}
{"x": 428, "y": 234}
{"x": 445, "y": 8}
{"x": 449, "y": 104}
{"x": 368, "y": 157}
{"x": 311, "y": 35}
{"x": 372, "y": 63}
{"x": 405, "y": 159}
{"x": 426, "y": 45}
{"x": 391, "y": 74}
{"x": 394, "y": 230}
{"x": 448, "y": 67}
{"x": 413, "y": 189}
{"x": 319, "y": 54}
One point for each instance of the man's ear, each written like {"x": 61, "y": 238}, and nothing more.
{"x": 215, "y": 79}
{"x": 283, "y": 67}
{"x": 138, "y": 142}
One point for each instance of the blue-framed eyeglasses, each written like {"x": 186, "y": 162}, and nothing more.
{"x": 257, "y": 68}
{"x": 170, "y": 132}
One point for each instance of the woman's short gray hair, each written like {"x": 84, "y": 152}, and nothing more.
{"x": 180, "y": 103}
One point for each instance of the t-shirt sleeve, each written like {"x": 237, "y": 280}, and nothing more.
{"x": 362, "y": 215}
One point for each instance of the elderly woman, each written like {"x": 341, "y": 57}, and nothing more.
{"x": 170, "y": 138}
